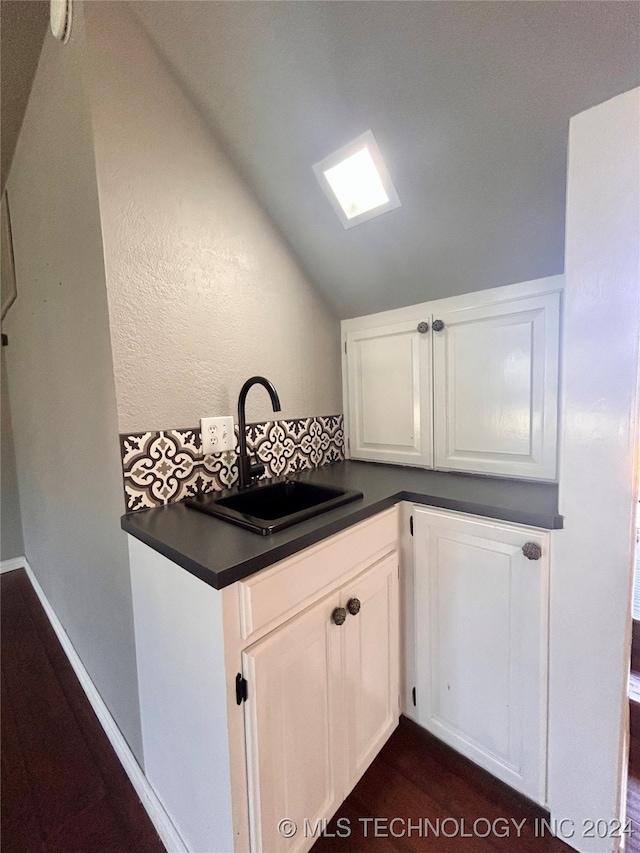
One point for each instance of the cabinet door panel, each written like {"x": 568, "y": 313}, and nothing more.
{"x": 495, "y": 384}
{"x": 481, "y": 616}
{"x": 389, "y": 379}
{"x": 294, "y": 706}
{"x": 371, "y": 664}
{"x": 470, "y": 594}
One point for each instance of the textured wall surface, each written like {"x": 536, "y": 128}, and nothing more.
{"x": 11, "y": 541}
{"x": 61, "y": 380}
{"x": 203, "y": 292}
{"x": 590, "y": 632}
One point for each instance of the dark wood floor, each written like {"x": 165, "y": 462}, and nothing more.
{"x": 64, "y": 790}
{"x": 416, "y": 776}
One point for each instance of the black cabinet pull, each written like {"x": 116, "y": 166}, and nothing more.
{"x": 353, "y": 606}
{"x": 339, "y": 615}
{"x": 532, "y": 551}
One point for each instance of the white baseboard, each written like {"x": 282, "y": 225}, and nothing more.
{"x": 160, "y": 819}
{"x": 12, "y": 565}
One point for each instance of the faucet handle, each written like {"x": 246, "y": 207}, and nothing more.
{"x": 256, "y": 469}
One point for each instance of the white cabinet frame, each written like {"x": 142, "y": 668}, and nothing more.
{"x": 481, "y": 615}
{"x": 320, "y": 690}
{"x": 496, "y": 388}
{"x": 193, "y": 640}
{"x": 398, "y": 402}
{"x": 542, "y": 297}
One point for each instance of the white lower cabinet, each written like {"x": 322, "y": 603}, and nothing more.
{"x": 371, "y": 668}
{"x": 323, "y": 699}
{"x": 291, "y": 715}
{"x": 481, "y": 617}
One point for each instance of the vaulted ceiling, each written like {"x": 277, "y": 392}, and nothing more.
{"x": 470, "y": 104}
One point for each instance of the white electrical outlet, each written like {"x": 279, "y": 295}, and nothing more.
{"x": 217, "y": 435}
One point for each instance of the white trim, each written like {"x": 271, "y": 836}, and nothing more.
{"x": 462, "y": 302}
{"x": 152, "y": 805}
{"x": 346, "y": 421}
{"x": 12, "y": 564}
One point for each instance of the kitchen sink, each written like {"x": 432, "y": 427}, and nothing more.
{"x": 268, "y": 508}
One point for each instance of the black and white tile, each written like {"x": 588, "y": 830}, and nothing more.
{"x": 160, "y": 467}
{"x": 167, "y": 466}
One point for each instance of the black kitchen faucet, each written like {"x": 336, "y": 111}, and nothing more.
{"x": 247, "y": 469}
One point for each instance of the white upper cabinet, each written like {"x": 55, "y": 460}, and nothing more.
{"x": 496, "y": 386}
{"x": 389, "y": 377}
{"x": 467, "y": 383}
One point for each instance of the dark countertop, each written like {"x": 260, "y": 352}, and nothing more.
{"x": 219, "y": 553}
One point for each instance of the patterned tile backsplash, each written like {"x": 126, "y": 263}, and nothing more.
{"x": 167, "y": 466}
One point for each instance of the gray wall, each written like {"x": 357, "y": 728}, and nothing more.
{"x": 11, "y": 543}
{"x": 62, "y": 387}
{"x": 469, "y": 102}
{"x": 151, "y": 284}
{"x": 203, "y": 291}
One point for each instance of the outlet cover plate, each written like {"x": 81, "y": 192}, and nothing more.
{"x": 217, "y": 435}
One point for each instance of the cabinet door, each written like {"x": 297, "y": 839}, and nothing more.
{"x": 495, "y": 388}
{"x": 481, "y": 617}
{"x": 371, "y": 664}
{"x": 294, "y": 727}
{"x": 389, "y": 394}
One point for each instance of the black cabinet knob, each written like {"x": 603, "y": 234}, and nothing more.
{"x": 532, "y": 551}
{"x": 437, "y": 325}
{"x": 339, "y": 615}
{"x": 353, "y": 606}
{"x": 423, "y": 327}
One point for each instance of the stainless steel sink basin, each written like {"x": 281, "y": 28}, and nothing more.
{"x": 268, "y": 508}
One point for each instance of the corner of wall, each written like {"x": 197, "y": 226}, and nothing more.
{"x": 60, "y": 369}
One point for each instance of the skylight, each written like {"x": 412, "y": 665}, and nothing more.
{"x": 357, "y": 184}
{"x": 356, "y": 181}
